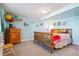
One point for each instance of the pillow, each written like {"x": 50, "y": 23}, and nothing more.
{"x": 55, "y": 33}
{"x": 63, "y": 31}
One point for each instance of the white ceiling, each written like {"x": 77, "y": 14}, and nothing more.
{"x": 33, "y": 10}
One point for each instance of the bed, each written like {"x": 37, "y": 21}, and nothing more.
{"x": 55, "y": 39}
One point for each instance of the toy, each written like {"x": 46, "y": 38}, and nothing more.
{"x": 15, "y": 17}
{"x": 9, "y": 18}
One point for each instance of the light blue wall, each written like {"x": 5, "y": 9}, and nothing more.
{"x": 26, "y": 31}
{"x": 74, "y": 24}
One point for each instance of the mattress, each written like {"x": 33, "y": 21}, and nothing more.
{"x": 65, "y": 40}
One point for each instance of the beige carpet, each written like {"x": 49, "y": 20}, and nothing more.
{"x": 29, "y": 48}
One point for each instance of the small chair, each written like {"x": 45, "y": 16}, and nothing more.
{"x": 7, "y": 49}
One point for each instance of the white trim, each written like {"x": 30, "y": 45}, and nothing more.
{"x": 75, "y": 43}
{"x": 22, "y": 40}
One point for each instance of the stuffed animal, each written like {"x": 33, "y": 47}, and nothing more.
{"x": 9, "y": 18}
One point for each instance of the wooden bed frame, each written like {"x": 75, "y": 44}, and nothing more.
{"x": 40, "y": 38}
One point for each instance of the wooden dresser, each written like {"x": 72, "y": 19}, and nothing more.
{"x": 12, "y": 35}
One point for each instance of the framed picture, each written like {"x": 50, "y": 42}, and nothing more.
{"x": 24, "y": 24}
{"x": 41, "y": 24}
{"x": 36, "y": 25}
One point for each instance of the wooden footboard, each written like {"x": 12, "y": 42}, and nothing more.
{"x": 44, "y": 38}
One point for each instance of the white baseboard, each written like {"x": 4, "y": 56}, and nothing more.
{"x": 22, "y": 40}
{"x": 75, "y": 43}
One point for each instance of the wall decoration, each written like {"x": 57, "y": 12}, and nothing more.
{"x": 54, "y": 24}
{"x": 42, "y": 24}
{"x": 27, "y": 25}
{"x": 64, "y": 23}
{"x": 36, "y": 25}
{"x": 59, "y": 23}
{"x": 9, "y": 18}
{"x": 32, "y": 21}
{"x": 24, "y": 24}
{"x": 20, "y": 19}
{"x": 15, "y": 17}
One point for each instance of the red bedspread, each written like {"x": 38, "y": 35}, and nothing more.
{"x": 55, "y": 38}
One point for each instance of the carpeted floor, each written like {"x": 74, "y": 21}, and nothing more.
{"x": 29, "y": 48}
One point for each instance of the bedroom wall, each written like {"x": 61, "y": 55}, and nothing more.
{"x": 74, "y": 23}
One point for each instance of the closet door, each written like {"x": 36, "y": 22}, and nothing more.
{"x": 1, "y": 30}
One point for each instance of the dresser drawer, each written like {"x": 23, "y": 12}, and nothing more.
{"x": 14, "y": 35}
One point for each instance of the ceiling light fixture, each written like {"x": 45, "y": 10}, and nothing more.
{"x": 44, "y": 11}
